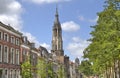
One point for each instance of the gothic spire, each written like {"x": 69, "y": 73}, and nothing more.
{"x": 56, "y": 16}
{"x": 57, "y": 43}
{"x": 56, "y": 10}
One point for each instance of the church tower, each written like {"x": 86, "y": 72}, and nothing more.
{"x": 57, "y": 42}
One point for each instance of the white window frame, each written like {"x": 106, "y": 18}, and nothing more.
{"x": 12, "y": 56}
{"x": 1, "y": 53}
{"x": 6, "y": 35}
{"x": 12, "y": 39}
{"x": 11, "y": 75}
{"x": 17, "y": 56}
{"x": 15, "y": 73}
{"x": 1, "y": 35}
{"x": 6, "y": 58}
{"x": 18, "y": 74}
{"x": 6, "y": 73}
{"x": 24, "y": 54}
{"x": 17, "y": 41}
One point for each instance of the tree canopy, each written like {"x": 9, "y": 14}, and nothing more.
{"x": 104, "y": 50}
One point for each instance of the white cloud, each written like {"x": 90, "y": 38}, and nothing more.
{"x": 47, "y": 46}
{"x": 77, "y": 46}
{"x": 12, "y": 20}
{"x": 70, "y": 26}
{"x": 82, "y": 18}
{"x": 45, "y": 1}
{"x": 10, "y": 11}
{"x": 76, "y": 39}
{"x": 33, "y": 39}
{"x": 93, "y": 20}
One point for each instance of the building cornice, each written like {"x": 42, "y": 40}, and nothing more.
{"x": 10, "y": 29}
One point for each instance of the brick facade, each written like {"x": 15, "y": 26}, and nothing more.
{"x": 9, "y": 52}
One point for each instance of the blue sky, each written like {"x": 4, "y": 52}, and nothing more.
{"x": 35, "y": 19}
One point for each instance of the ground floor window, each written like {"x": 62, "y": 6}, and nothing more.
{"x": 0, "y": 73}
{"x": 6, "y": 73}
{"x": 10, "y": 73}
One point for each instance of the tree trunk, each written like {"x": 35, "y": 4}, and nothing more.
{"x": 107, "y": 72}
{"x": 116, "y": 69}
{"x": 112, "y": 72}
{"x": 119, "y": 67}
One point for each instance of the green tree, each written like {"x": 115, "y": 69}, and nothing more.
{"x": 42, "y": 68}
{"x": 50, "y": 69}
{"x": 85, "y": 67}
{"x": 61, "y": 72}
{"x": 26, "y": 70}
{"x": 45, "y": 68}
{"x": 104, "y": 50}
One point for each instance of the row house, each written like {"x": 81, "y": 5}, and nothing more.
{"x": 10, "y": 40}
{"x": 44, "y": 53}
{"x": 25, "y": 49}
{"x": 15, "y": 49}
{"x": 33, "y": 59}
{"x": 74, "y": 69}
{"x": 29, "y": 53}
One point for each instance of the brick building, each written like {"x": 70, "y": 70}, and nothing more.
{"x": 10, "y": 40}
{"x": 29, "y": 53}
